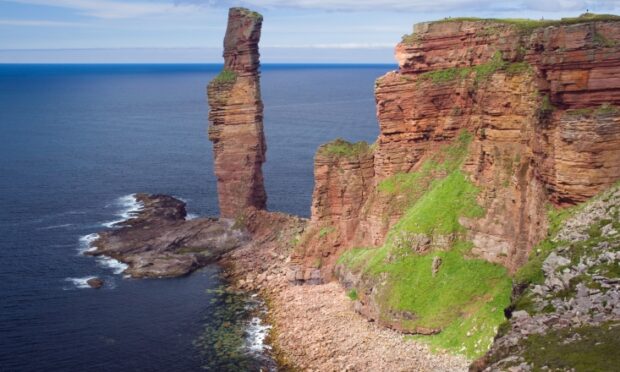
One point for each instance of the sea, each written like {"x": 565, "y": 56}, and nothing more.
{"x": 77, "y": 141}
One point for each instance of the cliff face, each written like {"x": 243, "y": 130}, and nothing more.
{"x": 483, "y": 126}
{"x": 540, "y": 102}
{"x": 236, "y": 117}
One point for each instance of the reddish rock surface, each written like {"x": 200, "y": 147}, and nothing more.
{"x": 546, "y": 128}
{"x": 236, "y": 117}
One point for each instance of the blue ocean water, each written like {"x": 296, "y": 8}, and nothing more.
{"x": 76, "y": 140}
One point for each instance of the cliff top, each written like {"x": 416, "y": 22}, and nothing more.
{"x": 529, "y": 24}
{"x": 246, "y": 12}
{"x": 522, "y": 24}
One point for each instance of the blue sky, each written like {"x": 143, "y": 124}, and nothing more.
{"x": 123, "y": 31}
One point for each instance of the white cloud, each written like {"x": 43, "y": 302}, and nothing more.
{"x": 112, "y": 8}
{"x": 38, "y": 23}
{"x": 424, "y": 5}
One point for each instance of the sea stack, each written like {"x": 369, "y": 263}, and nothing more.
{"x": 236, "y": 117}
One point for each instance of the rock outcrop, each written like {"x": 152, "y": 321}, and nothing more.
{"x": 541, "y": 101}
{"x": 159, "y": 242}
{"x": 569, "y": 317}
{"x": 236, "y": 117}
{"x": 95, "y": 283}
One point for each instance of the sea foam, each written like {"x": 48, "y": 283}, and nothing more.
{"x": 85, "y": 243}
{"x": 128, "y": 205}
{"x": 256, "y": 330}
{"x": 80, "y": 283}
{"x": 116, "y": 266}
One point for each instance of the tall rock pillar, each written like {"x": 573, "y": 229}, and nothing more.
{"x": 236, "y": 117}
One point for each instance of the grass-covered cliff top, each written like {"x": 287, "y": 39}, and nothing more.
{"x": 530, "y": 24}
{"x": 342, "y": 148}
{"x": 249, "y": 13}
{"x": 525, "y": 24}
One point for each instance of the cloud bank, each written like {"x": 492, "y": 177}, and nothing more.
{"x": 424, "y": 5}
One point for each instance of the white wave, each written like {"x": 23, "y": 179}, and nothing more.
{"x": 116, "y": 266}
{"x": 129, "y": 206}
{"x": 191, "y": 216}
{"x": 80, "y": 282}
{"x": 86, "y": 243}
{"x": 53, "y": 227}
{"x": 256, "y": 333}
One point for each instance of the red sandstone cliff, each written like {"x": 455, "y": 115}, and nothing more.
{"x": 541, "y": 104}
{"x": 236, "y": 117}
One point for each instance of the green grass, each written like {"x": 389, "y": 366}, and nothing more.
{"x": 352, "y": 294}
{"x": 595, "y": 350}
{"x": 529, "y": 25}
{"x": 326, "y": 231}
{"x": 409, "y": 187}
{"x": 526, "y": 26}
{"x": 480, "y": 73}
{"x": 342, "y": 148}
{"x": 602, "y": 110}
{"x": 251, "y": 13}
{"x": 603, "y": 41}
{"x": 466, "y": 298}
{"x": 225, "y": 76}
{"x": 438, "y": 210}
{"x": 532, "y": 272}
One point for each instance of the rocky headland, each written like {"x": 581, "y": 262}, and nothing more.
{"x": 158, "y": 241}
{"x": 481, "y": 225}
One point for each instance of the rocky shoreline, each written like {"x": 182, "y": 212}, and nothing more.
{"x": 316, "y": 328}
{"x": 313, "y": 327}
{"x": 158, "y": 241}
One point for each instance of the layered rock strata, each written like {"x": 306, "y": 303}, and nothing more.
{"x": 159, "y": 242}
{"x": 541, "y": 101}
{"x": 236, "y": 117}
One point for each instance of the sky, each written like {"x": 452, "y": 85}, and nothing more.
{"x": 191, "y": 31}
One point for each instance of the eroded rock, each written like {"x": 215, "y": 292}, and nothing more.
{"x": 157, "y": 241}
{"x": 236, "y": 117}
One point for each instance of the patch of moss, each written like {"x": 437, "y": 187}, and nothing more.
{"x": 251, "y": 13}
{"x": 352, "y": 294}
{"x": 222, "y": 340}
{"x": 410, "y": 39}
{"x": 602, "y": 110}
{"x": 225, "y": 77}
{"x": 546, "y": 107}
{"x": 607, "y": 109}
{"x": 603, "y": 41}
{"x": 593, "y": 348}
{"x": 326, "y": 231}
{"x": 342, "y": 148}
{"x": 609, "y": 270}
{"x": 480, "y": 72}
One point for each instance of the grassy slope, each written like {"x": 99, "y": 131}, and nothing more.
{"x": 467, "y": 296}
